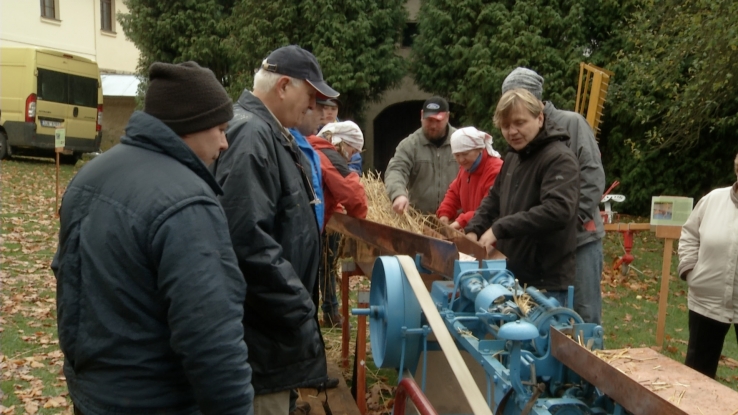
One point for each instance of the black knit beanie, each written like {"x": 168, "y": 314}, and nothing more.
{"x": 186, "y": 97}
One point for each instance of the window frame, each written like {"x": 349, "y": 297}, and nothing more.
{"x": 110, "y": 18}
{"x": 50, "y": 4}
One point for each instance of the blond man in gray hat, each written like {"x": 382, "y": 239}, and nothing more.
{"x": 590, "y": 231}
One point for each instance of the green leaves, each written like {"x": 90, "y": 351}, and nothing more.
{"x": 680, "y": 59}
{"x": 464, "y": 50}
{"x": 355, "y": 42}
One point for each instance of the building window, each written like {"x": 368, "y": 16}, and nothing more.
{"x": 107, "y": 15}
{"x": 50, "y": 9}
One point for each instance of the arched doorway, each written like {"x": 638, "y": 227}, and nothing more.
{"x": 396, "y": 122}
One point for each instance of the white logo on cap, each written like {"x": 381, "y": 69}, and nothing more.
{"x": 432, "y": 106}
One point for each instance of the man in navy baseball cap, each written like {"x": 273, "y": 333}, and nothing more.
{"x": 298, "y": 63}
{"x": 268, "y": 199}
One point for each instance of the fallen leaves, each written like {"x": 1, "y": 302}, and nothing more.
{"x": 31, "y": 359}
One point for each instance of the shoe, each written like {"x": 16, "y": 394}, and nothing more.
{"x": 332, "y": 320}
{"x": 301, "y": 408}
{"x": 330, "y": 383}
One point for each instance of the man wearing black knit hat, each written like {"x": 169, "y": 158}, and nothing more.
{"x": 267, "y": 199}
{"x": 149, "y": 294}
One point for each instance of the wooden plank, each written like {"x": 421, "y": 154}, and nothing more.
{"x": 646, "y": 382}
{"x": 311, "y": 396}
{"x": 450, "y": 350}
{"x": 628, "y": 392}
{"x": 671, "y": 232}
{"x": 436, "y": 255}
{"x": 664, "y": 292}
{"x": 689, "y": 390}
{"x": 617, "y": 227}
{"x": 339, "y": 400}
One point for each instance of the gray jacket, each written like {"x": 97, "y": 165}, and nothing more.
{"x": 591, "y": 173}
{"x": 421, "y": 171}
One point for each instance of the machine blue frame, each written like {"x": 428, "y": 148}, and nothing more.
{"x": 512, "y": 344}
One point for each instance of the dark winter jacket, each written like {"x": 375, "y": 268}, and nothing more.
{"x": 532, "y": 210}
{"x": 149, "y": 295}
{"x": 342, "y": 188}
{"x": 267, "y": 197}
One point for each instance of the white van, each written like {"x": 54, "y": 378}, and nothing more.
{"x": 42, "y": 90}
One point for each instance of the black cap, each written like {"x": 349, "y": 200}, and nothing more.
{"x": 298, "y": 63}
{"x": 328, "y": 102}
{"x": 433, "y": 106}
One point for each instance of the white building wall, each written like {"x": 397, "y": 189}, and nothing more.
{"x": 115, "y": 53}
{"x": 75, "y": 30}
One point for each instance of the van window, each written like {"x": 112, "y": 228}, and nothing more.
{"x": 66, "y": 88}
{"x": 52, "y": 86}
{"x": 82, "y": 91}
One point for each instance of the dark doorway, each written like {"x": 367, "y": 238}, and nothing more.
{"x": 394, "y": 123}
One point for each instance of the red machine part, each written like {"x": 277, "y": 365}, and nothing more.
{"x": 409, "y": 389}
{"x": 624, "y": 261}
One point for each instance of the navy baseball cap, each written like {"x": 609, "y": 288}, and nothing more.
{"x": 298, "y": 63}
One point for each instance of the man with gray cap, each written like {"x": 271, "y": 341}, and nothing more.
{"x": 423, "y": 165}
{"x": 590, "y": 231}
{"x": 149, "y": 294}
{"x": 268, "y": 197}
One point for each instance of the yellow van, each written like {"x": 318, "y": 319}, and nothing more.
{"x": 42, "y": 90}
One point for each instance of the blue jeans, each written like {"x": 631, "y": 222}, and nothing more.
{"x": 327, "y": 274}
{"x": 587, "y": 291}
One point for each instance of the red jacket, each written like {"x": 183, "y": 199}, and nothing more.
{"x": 468, "y": 189}
{"x": 341, "y": 186}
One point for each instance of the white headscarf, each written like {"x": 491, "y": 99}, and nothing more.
{"x": 344, "y": 131}
{"x": 469, "y": 138}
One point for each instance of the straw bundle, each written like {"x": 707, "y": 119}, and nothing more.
{"x": 380, "y": 208}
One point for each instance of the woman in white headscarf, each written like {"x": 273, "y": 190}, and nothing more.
{"x": 336, "y": 143}
{"x": 479, "y": 165}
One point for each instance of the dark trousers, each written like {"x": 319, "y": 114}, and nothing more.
{"x": 327, "y": 272}
{"x": 706, "y": 339}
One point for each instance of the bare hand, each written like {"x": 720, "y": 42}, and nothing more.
{"x": 487, "y": 239}
{"x": 472, "y": 236}
{"x": 443, "y": 220}
{"x": 400, "y": 204}
{"x": 456, "y": 226}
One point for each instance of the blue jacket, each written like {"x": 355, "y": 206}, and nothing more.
{"x": 316, "y": 176}
{"x": 355, "y": 163}
{"x": 149, "y": 295}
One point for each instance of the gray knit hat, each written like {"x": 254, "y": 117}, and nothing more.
{"x": 186, "y": 97}
{"x": 526, "y": 79}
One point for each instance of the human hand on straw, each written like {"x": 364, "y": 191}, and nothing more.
{"x": 456, "y": 226}
{"x": 487, "y": 239}
{"x": 472, "y": 236}
{"x": 443, "y": 220}
{"x": 400, "y": 204}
